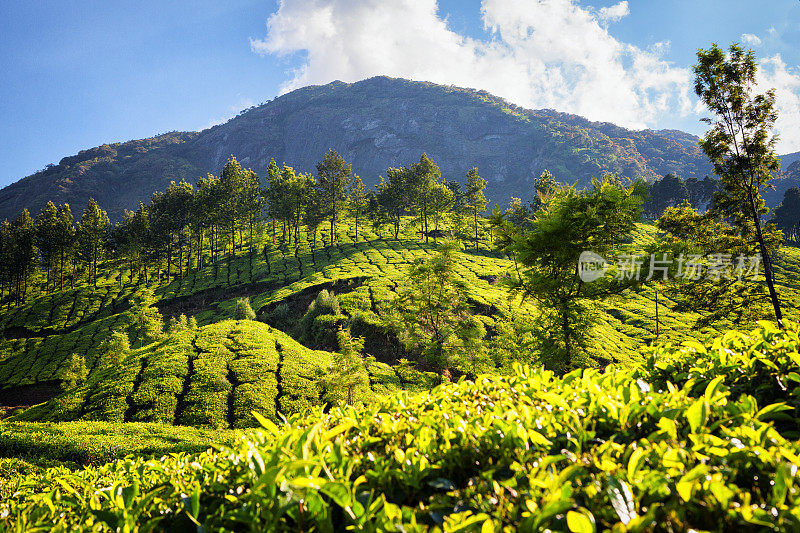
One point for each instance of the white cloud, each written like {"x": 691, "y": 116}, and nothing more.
{"x": 615, "y": 12}
{"x": 752, "y": 40}
{"x": 774, "y": 73}
{"x": 543, "y": 53}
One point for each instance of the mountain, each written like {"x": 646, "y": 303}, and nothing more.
{"x": 375, "y": 123}
{"x": 788, "y": 159}
{"x": 790, "y": 178}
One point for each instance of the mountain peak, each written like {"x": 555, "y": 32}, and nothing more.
{"x": 374, "y": 123}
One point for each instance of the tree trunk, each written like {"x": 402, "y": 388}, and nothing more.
{"x": 476, "y": 231}
{"x": 567, "y": 340}
{"x": 169, "y": 258}
{"x": 61, "y": 271}
{"x": 767, "y": 260}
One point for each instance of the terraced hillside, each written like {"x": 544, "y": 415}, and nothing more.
{"x": 214, "y": 376}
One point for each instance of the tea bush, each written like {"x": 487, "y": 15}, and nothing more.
{"x": 614, "y": 450}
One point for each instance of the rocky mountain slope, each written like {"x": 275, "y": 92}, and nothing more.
{"x": 376, "y": 123}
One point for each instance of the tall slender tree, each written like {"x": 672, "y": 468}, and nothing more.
{"x": 23, "y": 254}
{"x": 475, "y": 199}
{"x": 740, "y": 144}
{"x": 423, "y": 181}
{"x": 91, "y": 232}
{"x": 45, "y": 238}
{"x": 333, "y": 177}
{"x": 65, "y": 240}
{"x": 357, "y": 200}
{"x": 394, "y": 196}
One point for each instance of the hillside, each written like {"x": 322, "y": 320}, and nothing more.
{"x": 38, "y": 338}
{"x": 690, "y": 440}
{"x": 376, "y": 123}
{"x": 790, "y": 178}
{"x": 214, "y": 377}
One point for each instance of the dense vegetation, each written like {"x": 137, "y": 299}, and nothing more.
{"x": 686, "y": 440}
{"x": 137, "y": 356}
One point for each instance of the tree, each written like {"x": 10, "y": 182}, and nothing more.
{"x": 347, "y": 379}
{"x": 333, "y": 177}
{"x": 432, "y": 316}
{"x": 669, "y": 191}
{"x": 546, "y": 256}
{"x": 5, "y": 259}
{"x": 148, "y": 324}
{"x": 423, "y": 182}
{"x": 739, "y": 144}
{"x": 244, "y": 311}
{"x": 21, "y": 254}
{"x": 74, "y": 373}
{"x": 169, "y": 216}
{"x": 357, "y": 201}
{"x": 45, "y": 237}
{"x": 114, "y": 349}
{"x": 440, "y": 201}
{"x": 475, "y": 199}
{"x": 65, "y": 239}
{"x": 91, "y": 235}
{"x": 394, "y": 197}
{"x": 313, "y": 216}
{"x": 132, "y": 237}
{"x": 700, "y": 242}
{"x": 701, "y": 192}
{"x": 240, "y": 201}
{"x": 787, "y": 215}
{"x": 206, "y": 216}
{"x": 375, "y": 212}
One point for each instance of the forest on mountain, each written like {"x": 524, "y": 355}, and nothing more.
{"x": 374, "y": 124}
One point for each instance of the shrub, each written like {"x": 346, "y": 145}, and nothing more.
{"x": 532, "y": 451}
{"x": 318, "y": 326}
{"x": 74, "y": 373}
{"x": 244, "y": 310}
{"x": 347, "y": 380}
{"x": 114, "y": 349}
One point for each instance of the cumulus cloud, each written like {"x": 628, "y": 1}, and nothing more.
{"x": 539, "y": 54}
{"x": 543, "y": 53}
{"x": 774, "y": 73}
{"x": 615, "y": 12}
{"x": 750, "y": 39}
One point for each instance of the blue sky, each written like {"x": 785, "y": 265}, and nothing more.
{"x": 78, "y": 74}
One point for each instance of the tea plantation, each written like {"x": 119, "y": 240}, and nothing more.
{"x": 39, "y": 337}
{"x": 697, "y": 437}
{"x": 702, "y": 436}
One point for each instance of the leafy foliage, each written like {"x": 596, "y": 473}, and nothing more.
{"x": 624, "y": 449}
{"x": 432, "y": 314}
{"x": 547, "y": 250}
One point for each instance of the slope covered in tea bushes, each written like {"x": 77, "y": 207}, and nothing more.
{"x": 684, "y": 441}
{"x": 38, "y": 338}
{"x": 212, "y": 377}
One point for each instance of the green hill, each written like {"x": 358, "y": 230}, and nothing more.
{"x": 213, "y": 377}
{"x": 376, "y": 123}
{"x": 39, "y": 337}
